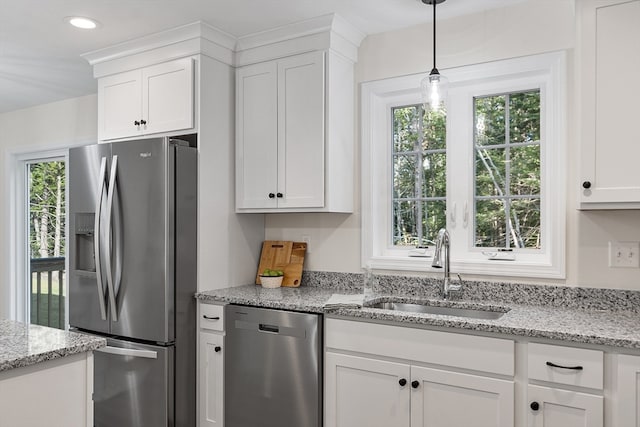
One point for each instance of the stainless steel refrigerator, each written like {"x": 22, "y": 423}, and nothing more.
{"x": 132, "y": 277}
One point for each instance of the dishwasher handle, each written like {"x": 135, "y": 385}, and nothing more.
{"x": 269, "y": 328}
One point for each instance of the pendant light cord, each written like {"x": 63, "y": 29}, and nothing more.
{"x": 434, "y": 36}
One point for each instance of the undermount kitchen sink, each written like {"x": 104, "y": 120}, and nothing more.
{"x": 488, "y": 314}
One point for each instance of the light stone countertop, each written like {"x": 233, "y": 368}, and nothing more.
{"x": 23, "y": 345}
{"x": 615, "y": 328}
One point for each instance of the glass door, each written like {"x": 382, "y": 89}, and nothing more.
{"x": 47, "y": 241}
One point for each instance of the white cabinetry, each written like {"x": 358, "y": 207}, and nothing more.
{"x": 151, "y": 100}
{"x": 609, "y": 93}
{"x": 562, "y": 369}
{"x": 626, "y": 406}
{"x": 370, "y": 390}
{"x": 211, "y": 366}
{"x": 294, "y": 134}
{"x": 366, "y": 392}
{"x": 51, "y": 393}
{"x": 553, "y": 407}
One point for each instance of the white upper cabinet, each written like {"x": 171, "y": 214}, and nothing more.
{"x": 295, "y": 119}
{"x": 610, "y": 89}
{"x": 280, "y": 133}
{"x": 150, "y": 100}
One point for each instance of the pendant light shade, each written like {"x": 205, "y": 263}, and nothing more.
{"x": 435, "y": 86}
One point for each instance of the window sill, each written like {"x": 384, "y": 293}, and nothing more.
{"x": 487, "y": 267}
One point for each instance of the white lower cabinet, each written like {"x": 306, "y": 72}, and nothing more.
{"x": 442, "y": 398}
{"x": 377, "y": 391}
{"x": 553, "y": 407}
{"x": 626, "y": 405}
{"x": 562, "y": 370}
{"x": 211, "y": 366}
{"x": 365, "y": 392}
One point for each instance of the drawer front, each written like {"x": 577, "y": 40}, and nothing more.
{"x": 212, "y": 317}
{"x": 565, "y": 365}
{"x": 493, "y": 355}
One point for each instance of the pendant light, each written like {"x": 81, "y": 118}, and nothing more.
{"x": 434, "y": 87}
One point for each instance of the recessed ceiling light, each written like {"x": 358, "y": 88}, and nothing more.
{"x": 82, "y": 22}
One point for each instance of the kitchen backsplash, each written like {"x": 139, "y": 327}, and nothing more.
{"x": 514, "y": 293}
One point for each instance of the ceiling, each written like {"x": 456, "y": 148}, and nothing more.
{"x": 40, "y": 53}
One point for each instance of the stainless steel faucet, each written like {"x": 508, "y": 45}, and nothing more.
{"x": 440, "y": 261}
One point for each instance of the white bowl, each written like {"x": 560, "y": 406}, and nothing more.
{"x": 271, "y": 281}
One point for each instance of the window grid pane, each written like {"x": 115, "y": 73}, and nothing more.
{"x": 507, "y": 170}
{"x": 419, "y": 175}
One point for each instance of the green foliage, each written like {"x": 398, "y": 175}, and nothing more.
{"x": 46, "y": 206}
{"x": 507, "y": 172}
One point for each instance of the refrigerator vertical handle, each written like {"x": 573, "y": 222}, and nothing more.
{"x": 96, "y": 238}
{"x": 109, "y": 254}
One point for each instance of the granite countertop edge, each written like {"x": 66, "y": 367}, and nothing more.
{"x": 21, "y": 347}
{"x": 582, "y": 326}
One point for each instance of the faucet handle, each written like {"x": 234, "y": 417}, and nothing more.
{"x": 456, "y": 287}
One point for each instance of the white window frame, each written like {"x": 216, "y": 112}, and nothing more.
{"x": 546, "y": 72}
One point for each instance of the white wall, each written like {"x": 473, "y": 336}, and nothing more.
{"x": 527, "y": 28}
{"x": 45, "y": 127}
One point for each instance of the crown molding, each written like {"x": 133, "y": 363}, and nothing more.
{"x": 324, "y": 32}
{"x": 186, "y": 40}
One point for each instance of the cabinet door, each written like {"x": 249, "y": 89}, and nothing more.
{"x": 257, "y": 136}
{"x": 119, "y": 105}
{"x": 301, "y": 122}
{"x": 610, "y": 93}
{"x": 362, "y": 392}
{"x": 211, "y": 380}
{"x": 626, "y": 404}
{"x": 167, "y": 96}
{"x": 563, "y": 408}
{"x": 446, "y": 399}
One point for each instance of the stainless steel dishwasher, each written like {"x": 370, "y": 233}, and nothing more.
{"x": 273, "y": 368}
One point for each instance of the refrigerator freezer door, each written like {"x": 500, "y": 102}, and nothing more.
{"x": 87, "y": 243}
{"x": 142, "y": 230}
{"x": 133, "y": 385}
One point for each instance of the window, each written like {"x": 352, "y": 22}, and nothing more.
{"x": 419, "y": 175}
{"x": 490, "y": 170}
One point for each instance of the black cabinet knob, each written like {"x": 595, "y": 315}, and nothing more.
{"x": 136, "y": 123}
{"x": 402, "y": 382}
{"x": 271, "y": 195}
{"x": 415, "y": 384}
{"x": 535, "y": 406}
{"x": 143, "y": 122}
{"x": 586, "y": 184}
{"x": 279, "y": 195}
{"x": 217, "y": 349}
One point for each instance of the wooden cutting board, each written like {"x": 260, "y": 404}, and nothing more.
{"x": 283, "y": 255}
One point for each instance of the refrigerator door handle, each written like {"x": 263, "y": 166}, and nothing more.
{"x": 129, "y": 352}
{"x": 96, "y": 239}
{"x": 109, "y": 255}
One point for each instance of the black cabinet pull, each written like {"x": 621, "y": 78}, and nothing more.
{"x": 143, "y": 122}
{"x": 271, "y": 195}
{"x": 573, "y": 368}
{"x": 217, "y": 349}
{"x": 211, "y": 317}
{"x": 402, "y": 382}
{"x": 586, "y": 184}
{"x": 136, "y": 123}
{"x": 415, "y": 384}
{"x": 535, "y": 406}
{"x": 279, "y": 195}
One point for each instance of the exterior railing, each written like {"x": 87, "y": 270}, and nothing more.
{"x": 47, "y": 292}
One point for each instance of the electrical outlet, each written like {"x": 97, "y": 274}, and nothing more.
{"x": 307, "y": 239}
{"x": 624, "y": 254}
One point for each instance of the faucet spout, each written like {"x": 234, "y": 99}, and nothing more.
{"x": 441, "y": 260}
